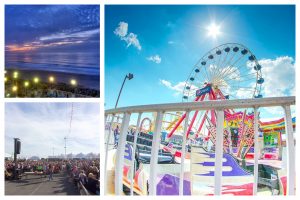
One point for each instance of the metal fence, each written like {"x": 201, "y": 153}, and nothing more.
{"x": 219, "y": 107}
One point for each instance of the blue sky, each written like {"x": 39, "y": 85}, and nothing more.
{"x": 55, "y": 28}
{"x": 43, "y": 126}
{"x": 161, "y": 44}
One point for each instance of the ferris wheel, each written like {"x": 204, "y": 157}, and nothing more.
{"x": 230, "y": 71}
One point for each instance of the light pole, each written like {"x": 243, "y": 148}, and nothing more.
{"x": 65, "y": 138}
{"x": 36, "y": 81}
{"x": 15, "y": 90}
{"x": 15, "y": 76}
{"x": 129, "y": 77}
{"x": 73, "y": 83}
{"x": 51, "y": 80}
{"x": 26, "y": 84}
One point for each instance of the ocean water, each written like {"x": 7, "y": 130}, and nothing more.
{"x": 73, "y": 62}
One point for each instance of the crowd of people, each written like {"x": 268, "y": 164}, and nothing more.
{"x": 87, "y": 173}
{"x": 84, "y": 173}
{"x": 23, "y": 166}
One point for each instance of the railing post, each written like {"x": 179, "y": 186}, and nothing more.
{"x": 120, "y": 155}
{"x": 229, "y": 136}
{"x": 255, "y": 151}
{"x": 137, "y": 131}
{"x": 290, "y": 150}
{"x": 154, "y": 154}
{"x": 106, "y": 152}
{"x": 105, "y": 117}
{"x": 181, "y": 185}
{"x": 219, "y": 152}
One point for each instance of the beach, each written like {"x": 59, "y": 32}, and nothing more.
{"x": 36, "y": 83}
{"x": 83, "y": 80}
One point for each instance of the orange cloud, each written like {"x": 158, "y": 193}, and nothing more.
{"x": 15, "y": 47}
{"x": 36, "y": 45}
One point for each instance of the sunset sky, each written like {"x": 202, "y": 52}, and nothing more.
{"x": 56, "y": 28}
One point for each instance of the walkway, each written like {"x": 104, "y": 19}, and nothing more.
{"x": 34, "y": 185}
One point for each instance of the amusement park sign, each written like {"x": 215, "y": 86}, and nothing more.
{"x": 204, "y": 90}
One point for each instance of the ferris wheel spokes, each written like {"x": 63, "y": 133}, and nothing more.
{"x": 229, "y": 70}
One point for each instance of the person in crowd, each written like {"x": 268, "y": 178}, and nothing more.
{"x": 92, "y": 184}
{"x": 82, "y": 178}
{"x": 116, "y": 136}
{"x": 51, "y": 170}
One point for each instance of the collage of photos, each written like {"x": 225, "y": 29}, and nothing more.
{"x": 104, "y": 100}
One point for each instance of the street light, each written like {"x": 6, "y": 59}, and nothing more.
{"x": 73, "y": 82}
{"x": 14, "y": 88}
{"x": 16, "y": 74}
{"x": 5, "y": 79}
{"x": 36, "y": 80}
{"x": 26, "y": 84}
{"x": 51, "y": 79}
{"x": 129, "y": 77}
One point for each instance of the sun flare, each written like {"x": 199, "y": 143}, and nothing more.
{"x": 213, "y": 30}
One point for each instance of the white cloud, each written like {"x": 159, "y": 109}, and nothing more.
{"x": 79, "y": 34}
{"x": 279, "y": 75}
{"x": 242, "y": 93}
{"x": 122, "y": 29}
{"x": 130, "y": 39}
{"x": 277, "y": 111}
{"x": 178, "y": 88}
{"x": 166, "y": 83}
{"x": 155, "y": 58}
{"x": 171, "y": 42}
{"x": 42, "y": 127}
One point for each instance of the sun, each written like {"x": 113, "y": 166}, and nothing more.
{"x": 213, "y": 30}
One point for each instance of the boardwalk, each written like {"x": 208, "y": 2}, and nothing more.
{"x": 34, "y": 185}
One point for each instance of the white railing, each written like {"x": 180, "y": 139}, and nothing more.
{"x": 219, "y": 107}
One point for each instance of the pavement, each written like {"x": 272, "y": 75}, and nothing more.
{"x": 39, "y": 185}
